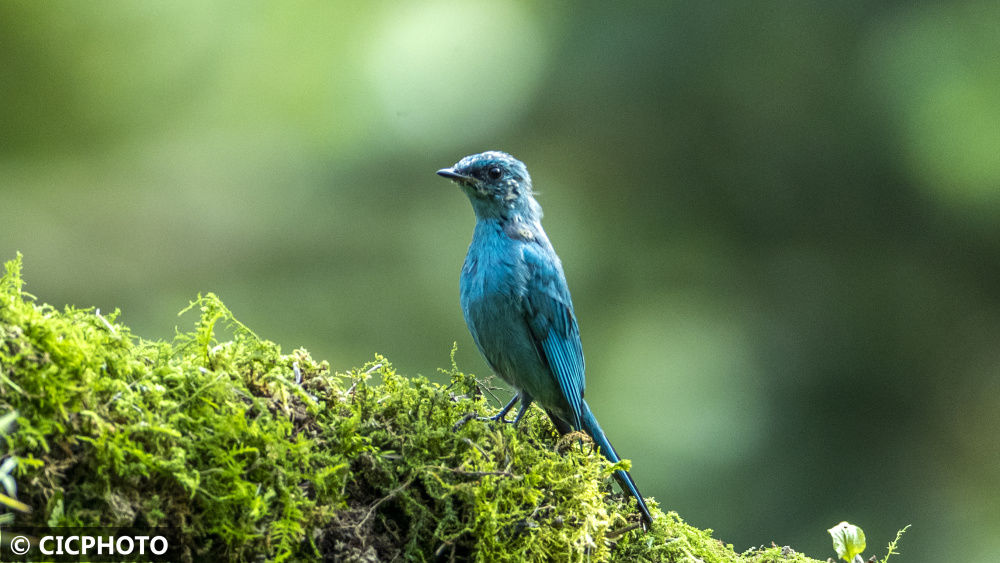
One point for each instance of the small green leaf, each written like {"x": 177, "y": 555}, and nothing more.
{"x": 848, "y": 540}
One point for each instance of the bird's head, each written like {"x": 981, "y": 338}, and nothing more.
{"x": 497, "y": 184}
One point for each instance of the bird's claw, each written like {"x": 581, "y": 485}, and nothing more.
{"x": 502, "y": 417}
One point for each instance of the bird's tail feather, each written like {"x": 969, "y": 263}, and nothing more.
{"x": 591, "y": 427}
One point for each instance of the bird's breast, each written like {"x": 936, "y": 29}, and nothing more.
{"x": 493, "y": 270}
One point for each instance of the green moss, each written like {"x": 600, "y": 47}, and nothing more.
{"x": 211, "y": 433}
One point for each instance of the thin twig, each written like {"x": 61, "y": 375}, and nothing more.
{"x": 626, "y": 529}
{"x": 475, "y": 445}
{"x": 465, "y": 473}
{"x": 111, "y": 328}
{"x": 484, "y": 387}
{"x": 371, "y": 510}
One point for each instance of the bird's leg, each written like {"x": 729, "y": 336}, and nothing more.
{"x": 503, "y": 412}
{"x": 524, "y": 408}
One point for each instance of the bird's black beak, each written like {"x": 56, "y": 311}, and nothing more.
{"x": 452, "y": 175}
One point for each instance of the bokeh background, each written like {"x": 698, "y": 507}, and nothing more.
{"x": 780, "y": 220}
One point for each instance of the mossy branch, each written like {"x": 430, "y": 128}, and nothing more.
{"x": 251, "y": 453}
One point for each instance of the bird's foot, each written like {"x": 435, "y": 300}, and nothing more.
{"x": 475, "y": 416}
{"x": 501, "y": 416}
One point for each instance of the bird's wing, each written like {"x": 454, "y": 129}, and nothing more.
{"x": 549, "y": 313}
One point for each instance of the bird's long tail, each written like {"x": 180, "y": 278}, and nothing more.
{"x": 591, "y": 427}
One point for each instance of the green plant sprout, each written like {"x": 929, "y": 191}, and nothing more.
{"x": 849, "y": 542}
{"x": 891, "y": 549}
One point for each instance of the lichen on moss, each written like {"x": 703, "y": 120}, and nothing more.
{"x": 253, "y": 453}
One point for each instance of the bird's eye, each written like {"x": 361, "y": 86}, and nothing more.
{"x": 494, "y": 172}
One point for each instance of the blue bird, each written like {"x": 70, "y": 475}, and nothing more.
{"x": 517, "y": 304}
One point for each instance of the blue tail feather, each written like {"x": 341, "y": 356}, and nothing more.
{"x": 591, "y": 427}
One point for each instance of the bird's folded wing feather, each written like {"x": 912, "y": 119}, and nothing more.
{"x": 549, "y": 313}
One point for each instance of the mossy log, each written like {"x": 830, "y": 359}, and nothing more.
{"x": 249, "y": 453}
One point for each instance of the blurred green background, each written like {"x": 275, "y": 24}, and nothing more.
{"x": 780, "y": 221}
